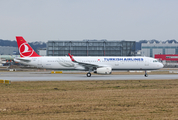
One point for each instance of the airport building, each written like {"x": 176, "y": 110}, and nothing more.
{"x": 91, "y": 48}
{"x": 168, "y": 59}
{"x": 7, "y": 50}
{"x": 150, "y": 50}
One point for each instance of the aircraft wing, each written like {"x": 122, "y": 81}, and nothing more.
{"x": 86, "y": 65}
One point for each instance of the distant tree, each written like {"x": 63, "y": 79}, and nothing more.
{"x": 171, "y": 41}
{"x": 8, "y": 43}
{"x": 35, "y": 45}
{"x": 153, "y": 40}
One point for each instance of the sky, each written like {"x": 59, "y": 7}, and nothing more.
{"x": 131, "y": 20}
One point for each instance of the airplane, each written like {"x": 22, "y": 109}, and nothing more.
{"x": 98, "y": 65}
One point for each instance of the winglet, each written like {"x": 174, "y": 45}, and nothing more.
{"x": 71, "y": 57}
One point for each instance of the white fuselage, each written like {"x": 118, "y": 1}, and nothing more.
{"x": 116, "y": 63}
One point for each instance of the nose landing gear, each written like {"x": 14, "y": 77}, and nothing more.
{"x": 146, "y": 75}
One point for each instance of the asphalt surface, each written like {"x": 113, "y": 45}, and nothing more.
{"x": 47, "y": 76}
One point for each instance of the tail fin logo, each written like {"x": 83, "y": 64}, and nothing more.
{"x": 25, "y": 50}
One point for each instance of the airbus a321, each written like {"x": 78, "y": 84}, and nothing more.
{"x": 99, "y": 65}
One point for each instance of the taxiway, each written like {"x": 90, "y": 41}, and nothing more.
{"x": 46, "y": 76}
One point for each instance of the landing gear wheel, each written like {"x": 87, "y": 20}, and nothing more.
{"x": 146, "y": 75}
{"x": 88, "y": 74}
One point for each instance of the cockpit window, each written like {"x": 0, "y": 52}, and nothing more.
{"x": 155, "y": 60}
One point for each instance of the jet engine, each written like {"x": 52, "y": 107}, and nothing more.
{"x": 103, "y": 70}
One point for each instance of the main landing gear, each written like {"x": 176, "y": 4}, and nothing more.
{"x": 146, "y": 75}
{"x": 88, "y": 74}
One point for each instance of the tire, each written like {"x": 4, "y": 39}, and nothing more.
{"x": 88, "y": 74}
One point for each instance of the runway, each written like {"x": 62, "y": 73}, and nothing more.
{"x": 47, "y": 76}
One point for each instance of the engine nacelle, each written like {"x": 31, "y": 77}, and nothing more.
{"x": 103, "y": 70}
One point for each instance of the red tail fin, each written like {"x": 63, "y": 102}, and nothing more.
{"x": 25, "y": 49}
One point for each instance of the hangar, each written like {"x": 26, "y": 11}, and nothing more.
{"x": 91, "y": 48}
{"x": 150, "y": 49}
